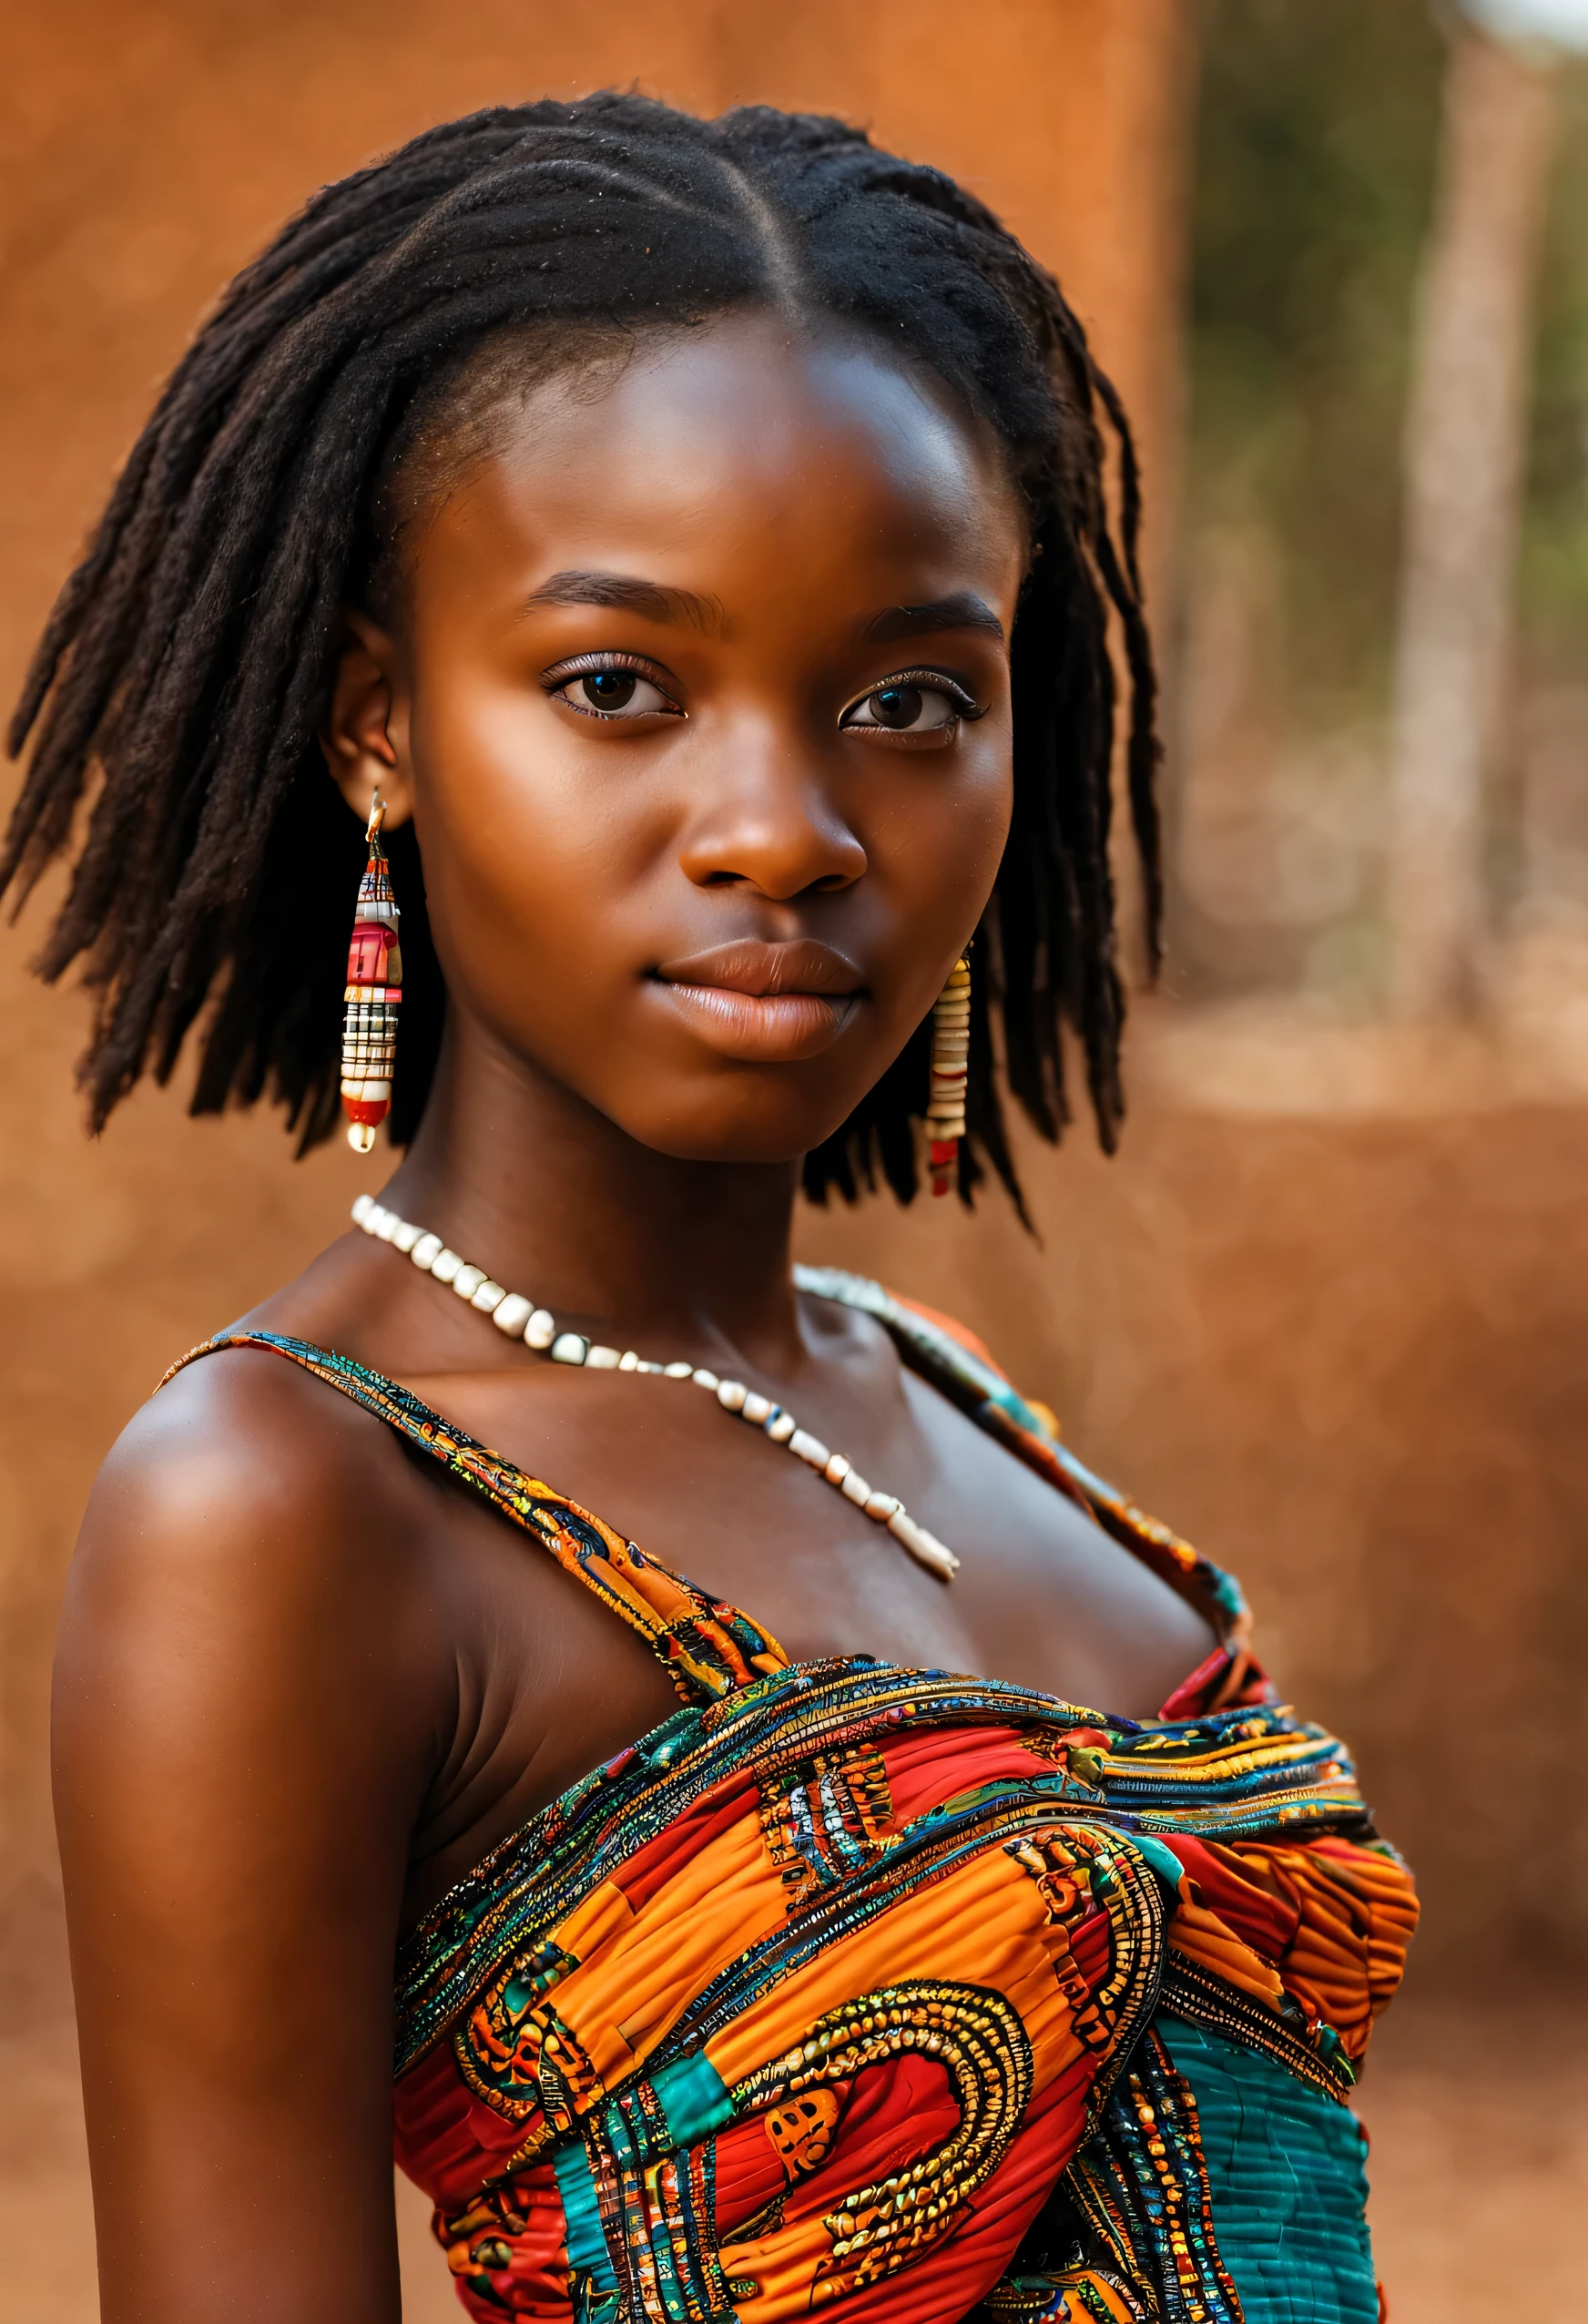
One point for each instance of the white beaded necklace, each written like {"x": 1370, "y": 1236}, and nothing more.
{"x": 522, "y": 1319}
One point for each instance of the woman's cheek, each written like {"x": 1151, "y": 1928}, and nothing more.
{"x": 946, "y": 842}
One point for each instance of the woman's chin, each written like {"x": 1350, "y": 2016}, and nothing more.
{"x": 711, "y": 1128}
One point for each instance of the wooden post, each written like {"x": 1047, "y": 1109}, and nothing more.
{"x": 1465, "y": 440}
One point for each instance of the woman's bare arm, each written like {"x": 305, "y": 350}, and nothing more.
{"x": 248, "y": 1703}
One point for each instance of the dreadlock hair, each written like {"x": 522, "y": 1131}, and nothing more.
{"x": 185, "y": 667}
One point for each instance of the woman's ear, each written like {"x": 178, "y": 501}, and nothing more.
{"x": 364, "y": 734}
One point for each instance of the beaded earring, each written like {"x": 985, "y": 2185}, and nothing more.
{"x": 374, "y": 994}
{"x": 951, "y": 1050}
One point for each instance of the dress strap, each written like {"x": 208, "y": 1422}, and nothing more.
{"x": 957, "y": 1364}
{"x": 707, "y": 1647}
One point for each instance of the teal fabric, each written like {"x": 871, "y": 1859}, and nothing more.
{"x": 1286, "y": 2167}
{"x": 693, "y": 2097}
{"x": 587, "y": 2249}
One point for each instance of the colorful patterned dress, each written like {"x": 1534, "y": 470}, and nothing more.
{"x": 898, "y": 1993}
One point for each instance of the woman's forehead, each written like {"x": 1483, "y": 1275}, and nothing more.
{"x": 753, "y": 436}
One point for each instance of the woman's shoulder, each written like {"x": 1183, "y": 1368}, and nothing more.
{"x": 231, "y": 1428}
{"x": 242, "y": 1494}
{"x": 960, "y": 1363}
{"x": 942, "y": 1346}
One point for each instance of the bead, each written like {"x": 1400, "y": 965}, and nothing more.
{"x": 924, "y": 1547}
{"x": 511, "y": 1311}
{"x": 938, "y": 1555}
{"x": 903, "y": 1527}
{"x": 360, "y": 1137}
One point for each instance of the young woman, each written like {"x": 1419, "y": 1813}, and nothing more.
{"x": 681, "y": 550}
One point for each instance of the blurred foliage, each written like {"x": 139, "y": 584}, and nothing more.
{"x": 1554, "y": 575}
{"x": 1317, "y": 135}
{"x": 1315, "y": 140}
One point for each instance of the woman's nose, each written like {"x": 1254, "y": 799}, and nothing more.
{"x": 767, "y": 820}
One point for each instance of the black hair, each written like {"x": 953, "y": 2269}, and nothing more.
{"x": 186, "y": 666}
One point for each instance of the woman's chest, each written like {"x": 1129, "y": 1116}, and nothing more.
{"x": 555, "y": 1677}
{"x": 1042, "y": 1595}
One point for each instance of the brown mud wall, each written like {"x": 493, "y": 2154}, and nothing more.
{"x": 1347, "y": 1358}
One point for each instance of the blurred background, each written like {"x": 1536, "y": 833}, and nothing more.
{"x": 1327, "y": 1310}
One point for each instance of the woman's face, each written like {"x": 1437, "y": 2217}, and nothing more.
{"x": 701, "y": 706}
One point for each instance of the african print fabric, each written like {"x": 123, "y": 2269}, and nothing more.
{"x": 910, "y": 1995}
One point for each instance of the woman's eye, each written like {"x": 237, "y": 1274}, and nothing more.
{"x": 615, "y": 693}
{"x": 903, "y": 706}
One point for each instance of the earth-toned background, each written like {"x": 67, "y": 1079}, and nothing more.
{"x": 1328, "y": 1310}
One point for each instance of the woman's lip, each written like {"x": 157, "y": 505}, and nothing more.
{"x": 760, "y": 1028}
{"x": 763, "y": 969}
{"x": 764, "y": 1004}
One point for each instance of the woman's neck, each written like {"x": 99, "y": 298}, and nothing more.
{"x": 523, "y": 1177}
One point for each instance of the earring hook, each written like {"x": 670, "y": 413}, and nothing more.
{"x": 377, "y": 815}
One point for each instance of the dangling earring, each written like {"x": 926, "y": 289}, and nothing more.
{"x": 375, "y": 993}
{"x": 951, "y": 1051}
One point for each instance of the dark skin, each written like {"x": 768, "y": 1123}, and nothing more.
{"x": 305, "y": 1683}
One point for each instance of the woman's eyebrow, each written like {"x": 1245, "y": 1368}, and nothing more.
{"x": 964, "y": 610}
{"x": 623, "y": 592}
